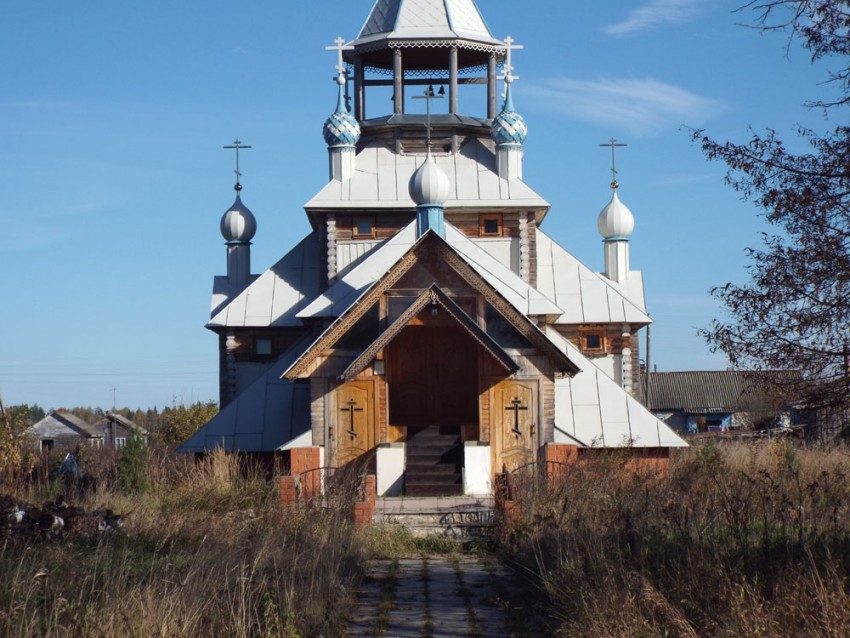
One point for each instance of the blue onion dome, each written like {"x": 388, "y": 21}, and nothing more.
{"x": 341, "y": 128}
{"x": 429, "y": 184}
{"x": 238, "y": 224}
{"x": 508, "y": 127}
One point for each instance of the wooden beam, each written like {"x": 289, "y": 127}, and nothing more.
{"x": 398, "y": 83}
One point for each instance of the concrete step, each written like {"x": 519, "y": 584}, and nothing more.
{"x": 453, "y": 517}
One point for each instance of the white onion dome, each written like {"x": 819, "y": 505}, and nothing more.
{"x": 238, "y": 224}
{"x": 616, "y": 220}
{"x": 429, "y": 184}
{"x": 508, "y": 127}
{"x": 341, "y": 128}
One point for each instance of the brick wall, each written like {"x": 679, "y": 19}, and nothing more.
{"x": 364, "y": 507}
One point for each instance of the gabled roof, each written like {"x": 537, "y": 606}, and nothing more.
{"x": 516, "y": 315}
{"x": 349, "y": 287}
{"x": 121, "y": 420}
{"x": 381, "y": 177}
{"x": 67, "y": 420}
{"x": 717, "y": 391}
{"x": 264, "y": 417}
{"x": 433, "y": 296}
{"x": 591, "y": 410}
{"x": 587, "y": 296}
{"x": 275, "y": 297}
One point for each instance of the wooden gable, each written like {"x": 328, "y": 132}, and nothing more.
{"x": 439, "y": 264}
{"x": 433, "y": 296}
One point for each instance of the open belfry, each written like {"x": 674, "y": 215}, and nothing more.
{"x": 428, "y": 331}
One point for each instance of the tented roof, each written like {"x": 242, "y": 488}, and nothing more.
{"x": 411, "y": 23}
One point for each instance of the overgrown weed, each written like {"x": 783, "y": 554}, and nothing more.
{"x": 207, "y": 551}
{"x": 735, "y": 540}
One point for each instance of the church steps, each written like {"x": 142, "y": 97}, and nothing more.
{"x": 434, "y": 461}
{"x": 452, "y": 517}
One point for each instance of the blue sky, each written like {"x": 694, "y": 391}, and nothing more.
{"x": 113, "y": 115}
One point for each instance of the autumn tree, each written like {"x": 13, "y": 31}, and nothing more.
{"x": 181, "y": 422}
{"x": 794, "y": 312}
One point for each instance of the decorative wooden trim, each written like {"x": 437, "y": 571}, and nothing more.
{"x": 330, "y": 234}
{"x": 518, "y": 320}
{"x": 433, "y": 296}
{"x": 524, "y": 260}
{"x": 344, "y": 322}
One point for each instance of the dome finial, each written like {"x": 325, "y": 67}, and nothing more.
{"x": 237, "y": 145}
{"x": 341, "y": 129}
{"x": 613, "y": 144}
{"x": 429, "y": 95}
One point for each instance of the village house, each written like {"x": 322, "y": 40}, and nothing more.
{"x": 116, "y": 430}
{"x": 428, "y": 329}
{"x": 694, "y": 402}
{"x": 62, "y": 430}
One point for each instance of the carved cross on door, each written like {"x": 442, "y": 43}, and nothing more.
{"x": 516, "y": 407}
{"x": 351, "y": 409}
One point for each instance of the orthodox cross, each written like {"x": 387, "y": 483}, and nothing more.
{"x": 237, "y": 145}
{"x": 340, "y": 64}
{"x": 429, "y": 95}
{"x": 351, "y": 409}
{"x": 516, "y": 407}
{"x": 509, "y": 76}
{"x": 613, "y": 144}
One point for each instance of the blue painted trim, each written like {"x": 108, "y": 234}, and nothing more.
{"x": 613, "y": 239}
{"x": 430, "y": 217}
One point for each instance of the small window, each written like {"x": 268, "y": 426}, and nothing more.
{"x": 263, "y": 347}
{"x": 120, "y": 442}
{"x": 364, "y": 227}
{"x": 490, "y": 225}
{"x": 46, "y": 445}
{"x": 593, "y": 341}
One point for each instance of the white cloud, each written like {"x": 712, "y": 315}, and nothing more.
{"x": 643, "y": 107}
{"x": 655, "y": 14}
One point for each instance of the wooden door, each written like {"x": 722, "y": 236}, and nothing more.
{"x": 352, "y": 429}
{"x": 433, "y": 377}
{"x": 514, "y": 417}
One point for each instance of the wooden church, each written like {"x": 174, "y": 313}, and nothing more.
{"x": 427, "y": 328}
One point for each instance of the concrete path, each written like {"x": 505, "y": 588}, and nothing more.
{"x": 430, "y": 597}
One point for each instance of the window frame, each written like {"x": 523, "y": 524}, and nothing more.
{"x": 489, "y": 217}
{"x": 355, "y": 234}
{"x": 264, "y": 340}
{"x": 584, "y": 333}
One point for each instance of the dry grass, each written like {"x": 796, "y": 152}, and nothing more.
{"x": 207, "y": 553}
{"x": 736, "y": 540}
